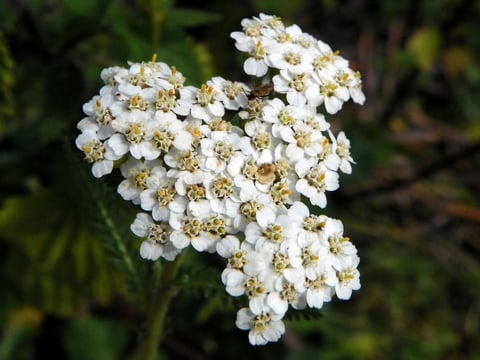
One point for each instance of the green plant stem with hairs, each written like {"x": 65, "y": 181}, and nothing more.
{"x": 162, "y": 297}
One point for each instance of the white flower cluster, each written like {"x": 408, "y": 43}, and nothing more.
{"x": 228, "y": 169}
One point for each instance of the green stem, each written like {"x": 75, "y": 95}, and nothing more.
{"x": 162, "y": 298}
{"x": 158, "y": 8}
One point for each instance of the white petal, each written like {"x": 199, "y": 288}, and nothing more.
{"x": 333, "y": 104}
{"x": 274, "y": 331}
{"x": 141, "y": 225}
{"x": 102, "y": 167}
{"x": 315, "y": 299}
{"x": 200, "y": 208}
{"x": 227, "y": 246}
{"x": 161, "y": 213}
{"x": 244, "y": 319}
{"x": 148, "y": 199}
{"x": 343, "y": 292}
{"x": 118, "y": 144}
{"x": 257, "y": 304}
{"x": 276, "y": 303}
{"x": 183, "y": 140}
{"x": 149, "y": 251}
{"x": 265, "y": 216}
{"x": 179, "y": 240}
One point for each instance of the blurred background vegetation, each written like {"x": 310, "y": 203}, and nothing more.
{"x": 411, "y": 205}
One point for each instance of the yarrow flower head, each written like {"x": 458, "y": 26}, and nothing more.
{"x": 236, "y": 170}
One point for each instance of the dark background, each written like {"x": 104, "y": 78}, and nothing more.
{"x": 411, "y": 205}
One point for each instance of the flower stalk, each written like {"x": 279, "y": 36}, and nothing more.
{"x": 158, "y": 17}
{"x": 162, "y": 297}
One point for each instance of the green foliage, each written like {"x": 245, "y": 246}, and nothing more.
{"x": 410, "y": 206}
{"x": 66, "y": 260}
{"x": 94, "y": 339}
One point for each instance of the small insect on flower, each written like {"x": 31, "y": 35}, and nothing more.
{"x": 266, "y": 173}
{"x": 262, "y": 90}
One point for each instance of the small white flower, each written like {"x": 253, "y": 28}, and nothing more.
{"x": 307, "y": 41}
{"x": 134, "y": 135}
{"x": 283, "y": 117}
{"x": 259, "y": 143}
{"x": 157, "y": 243}
{"x": 304, "y": 142}
{"x": 318, "y": 180}
{"x": 161, "y": 198}
{"x": 355, "y": 88}
{"x": 270, "y": 231}
{"x": 235, "y": 251}
{"x": 286, "y": 296}
{"x": 168, "y": 97}
{"x": 136, "y": 174}
{"x": 198, "y": 205}
{"x": 190, "y": 230}
{"x": 205, "y": 102}
{"x": 96, "y": 152}
{"x": 168, "y": 132}
{"x": 295, "y": 86}
{"x": 321, "y": 289}
{"x": 291, "y": 57}
{"x": 98, "y": 110}
{"x": 254, "y": 65}
{"x": 340, "y": 157}
{"x": 219, "y": 148}
{"x": 223, "y": 196}
{"x": 233, "y": 95}
{"x": 327, "y": 58}
{"x": 249, "y": 207}
{"x": 112, "y": 75}
{"x": 275, "y": 267}
{"x": 330, "y": 94}
{"x": 264, "y": 327}
{"x": 348, "y": 280}
{"x": 341, "y": 251}
{"x": 172, "y": 75}
{"x": 253, "y": 180}
{"x": 185, "y": 167}
{"x": 234, "y": 279}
